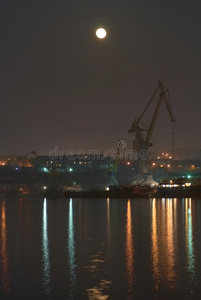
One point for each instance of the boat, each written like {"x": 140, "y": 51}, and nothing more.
{"x": 73, "y": 188}
{"x": 112, "y": 192}
{"x": 180, "y": 188}
{"x": 141, "y": 190}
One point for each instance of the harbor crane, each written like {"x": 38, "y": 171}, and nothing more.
{"x": 114, "y": 181}
{"x": 143, "y": 135}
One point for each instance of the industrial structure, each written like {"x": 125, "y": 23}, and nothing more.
{"x": 143, "y": 135}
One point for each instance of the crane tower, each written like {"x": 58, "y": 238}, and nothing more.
{"x": 142, "y": 141}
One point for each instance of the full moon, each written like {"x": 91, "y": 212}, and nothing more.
{"x": 101, "y": 33}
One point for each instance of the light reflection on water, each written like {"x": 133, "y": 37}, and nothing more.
{"x": 108, "y": 224}
{"x": 95, "y": 293}
{"x": 165, "y": 240}
{"x": 129, "y": 249}
{"x": 45, "y": 249}
{"x": 71, "y": 251}
{"x": 189, "y": 239}
{"x": 163, "y": 244}
{"x": 4, "y": 254}
{"x": 97, "y": 273}
{"x": 100, "y": 249}
{"x": 171, "y": 273}
{"x": 155, "y": 252}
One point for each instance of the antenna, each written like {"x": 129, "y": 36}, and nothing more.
{"x": 173, "y": 141}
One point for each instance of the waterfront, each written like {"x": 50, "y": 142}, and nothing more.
{"x": 100, "y": 248}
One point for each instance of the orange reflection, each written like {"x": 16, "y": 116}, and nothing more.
{"x": 4, "y": 253}
{"x": 108, "y": 222}
{"x": 96, "y": 293}
{"x": 170, "y": 242}
{"x": 163, "y": 247}
{"x": 175, "y": 213}
{"x": 155, "y": 254}
{"x": 100, "y": 290}
{"x": 129, "y": 249}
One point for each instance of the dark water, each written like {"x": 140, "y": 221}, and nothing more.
{"x": 100, "y": 249}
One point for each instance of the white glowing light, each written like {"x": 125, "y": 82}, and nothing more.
{"x": 45, "y": 249}
{"x": 101, "y": 33}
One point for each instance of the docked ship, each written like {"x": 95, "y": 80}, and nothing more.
{"x": 139, "y": 190}
{"x": 180, "y": 188}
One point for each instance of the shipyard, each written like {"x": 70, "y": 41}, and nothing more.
{"x": 20, "y": 175}
{"x": 119, "y": 172}
{"x": 100, "y": 150}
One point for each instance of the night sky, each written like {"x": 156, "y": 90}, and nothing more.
{"x": 61, "y": 86}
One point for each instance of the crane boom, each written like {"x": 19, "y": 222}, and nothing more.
{"x": 153, "y": 122}
{"x": 163, "y": 96}
{"x": 143, "y": 142}
{"x": 140, "y": 118}
{"x": 167, "y": 101}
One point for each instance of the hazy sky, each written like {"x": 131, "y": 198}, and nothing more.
{"x": 61, "y": 86}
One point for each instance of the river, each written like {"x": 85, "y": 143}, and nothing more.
{"x": 100, "y": 248}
